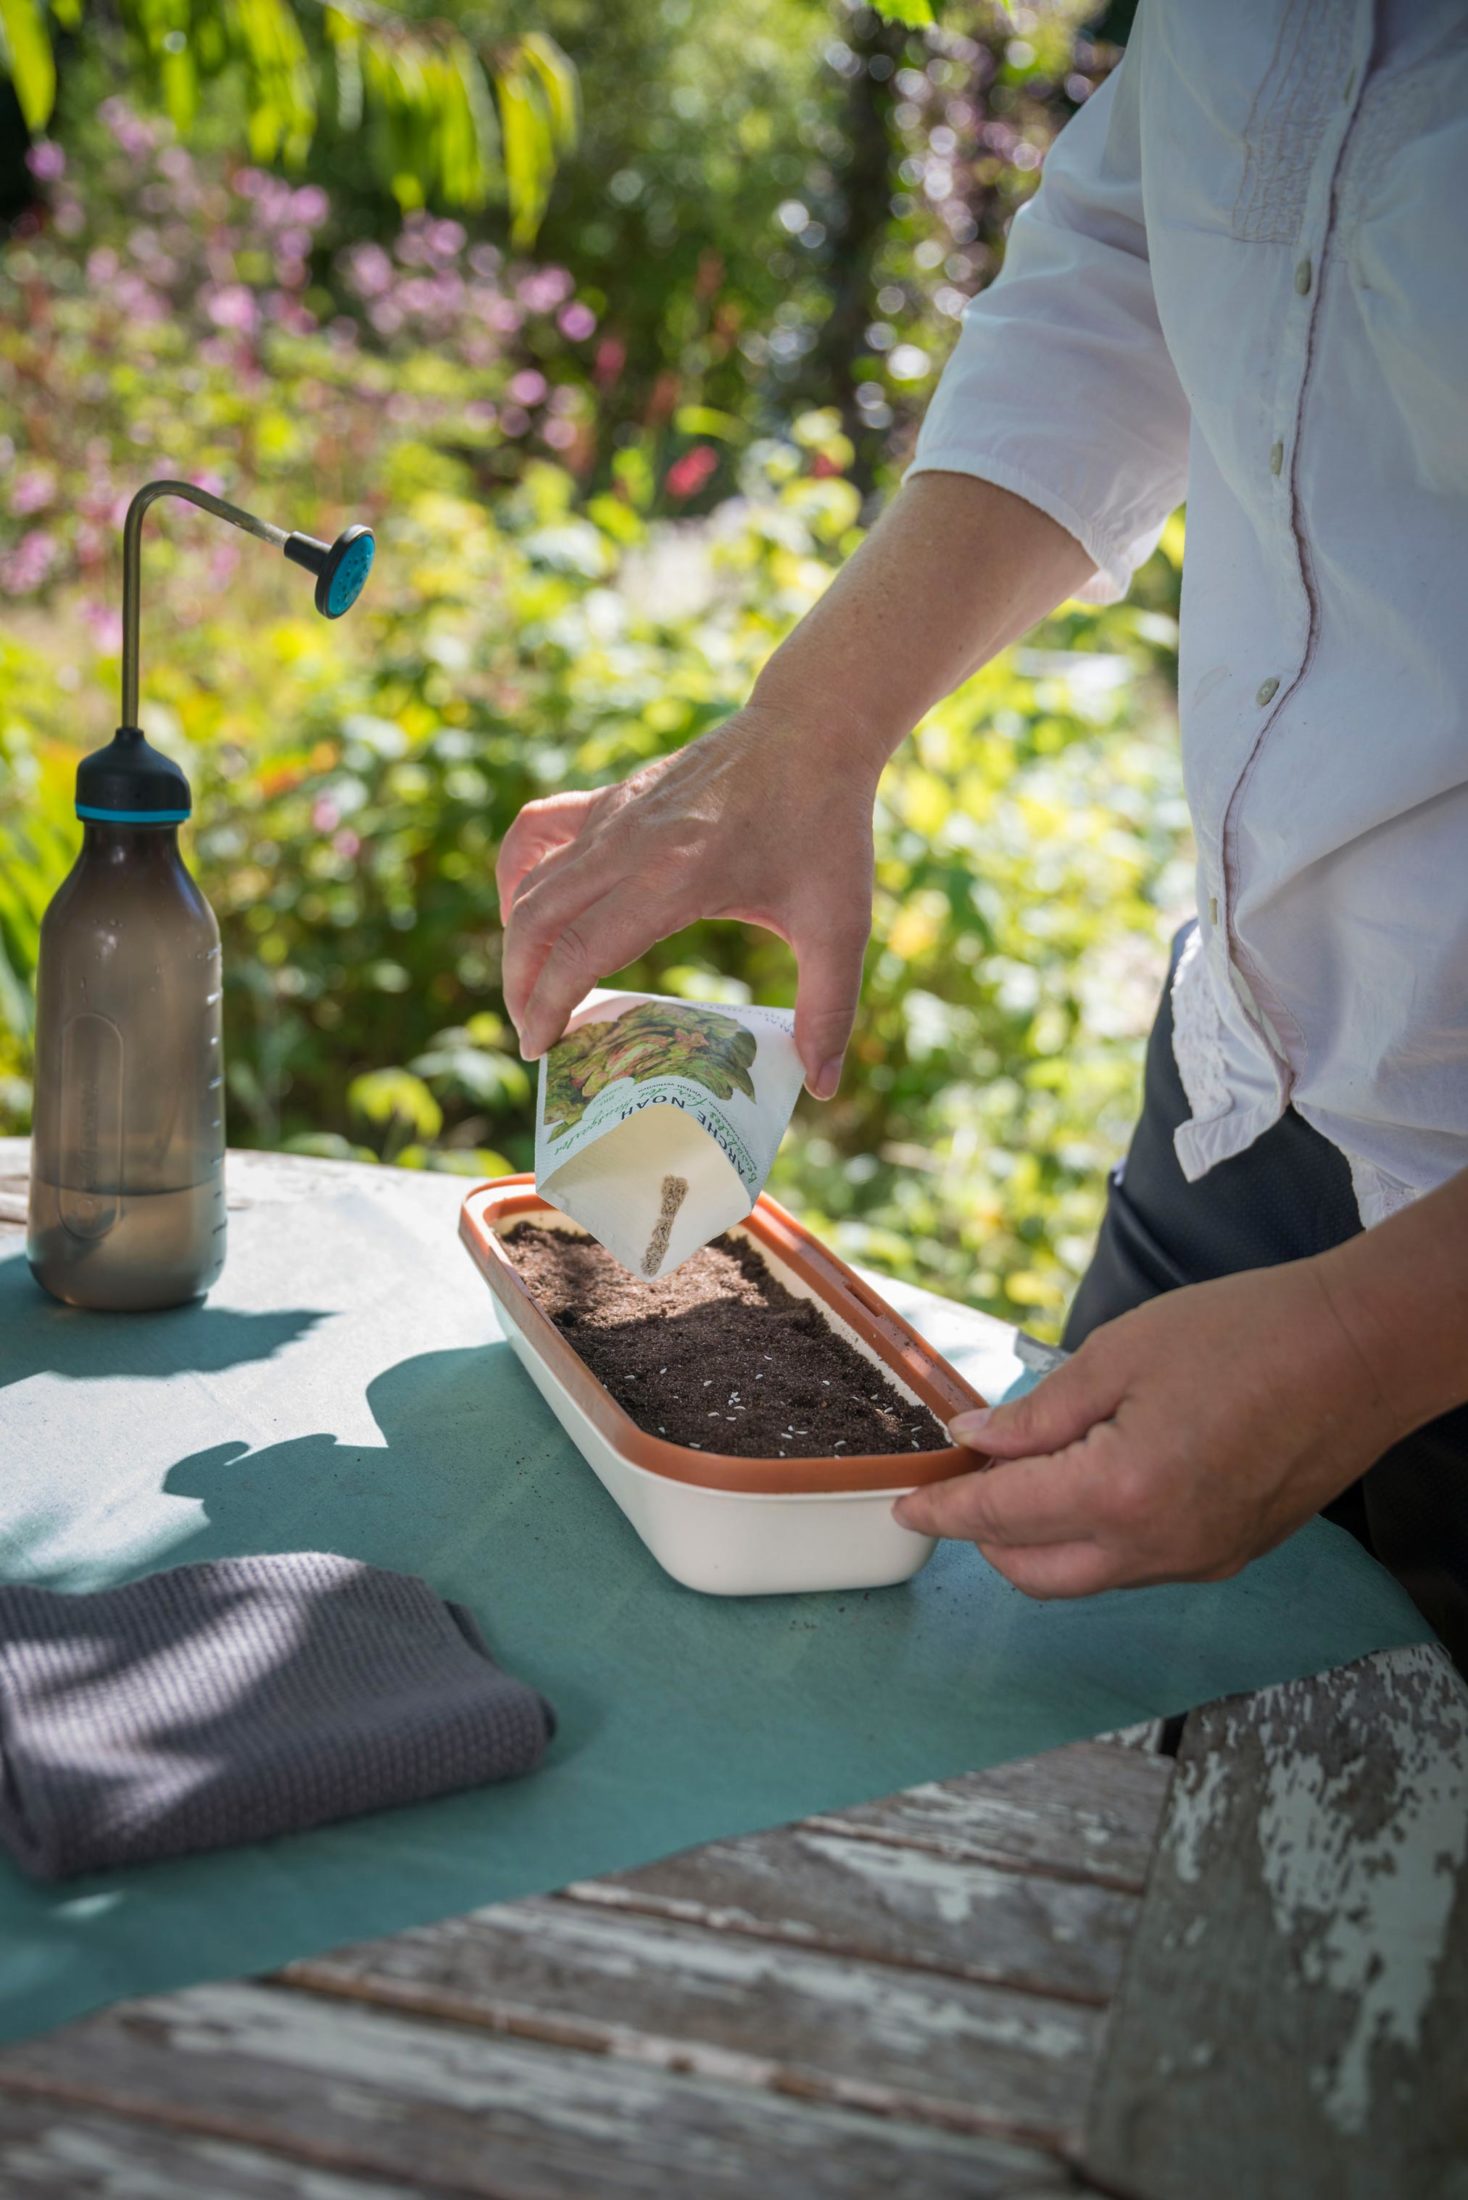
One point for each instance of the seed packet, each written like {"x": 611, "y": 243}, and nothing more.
{"x": 657, "y": 1120}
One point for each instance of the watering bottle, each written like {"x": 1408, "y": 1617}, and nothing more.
{"x": 127, "y": 1153}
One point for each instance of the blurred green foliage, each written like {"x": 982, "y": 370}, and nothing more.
{"x": 445, "y": 114}
{"x": 583, "y": 563}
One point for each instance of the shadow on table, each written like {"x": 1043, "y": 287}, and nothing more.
{"x": 469, "y": 1488}
{"x": 454, "y": 1485}
{"x": 39, "y": 1337}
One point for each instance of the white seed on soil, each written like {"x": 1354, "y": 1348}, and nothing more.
{"x": 708, "y": 1382}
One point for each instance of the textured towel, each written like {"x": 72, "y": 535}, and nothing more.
{"x": 221, "y": 1703}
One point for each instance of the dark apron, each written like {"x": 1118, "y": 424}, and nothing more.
{"x": 1287, "y": 1197}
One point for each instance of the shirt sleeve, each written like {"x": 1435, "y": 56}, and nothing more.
{"x": 1061, "y": 387}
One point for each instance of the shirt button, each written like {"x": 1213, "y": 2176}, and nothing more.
{"x": 1302, "y": 278}
{"x": 1276, "y": 458}
{"x": 1268, "y": 689}
{"x": 1213, "y": 908}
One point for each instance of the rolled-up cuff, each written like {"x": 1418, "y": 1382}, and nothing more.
{"x": 1115, "y": 560}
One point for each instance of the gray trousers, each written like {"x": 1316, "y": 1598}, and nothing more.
{"x": 1289, "y": 1196}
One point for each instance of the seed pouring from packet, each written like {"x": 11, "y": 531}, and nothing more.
{"x": 658, "y": 1120}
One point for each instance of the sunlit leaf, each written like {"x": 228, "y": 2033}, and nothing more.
{"x": 483, "y": 120}
{"x": 181, "y": 100}
{"x": 528, "y": 149}
{"x": 558, "y": 83}
{"x": 704, "y": 420}
{"x": 386, "y": 1096}
{"x": 916, "y": 14}
{"x": 25, "y": 51}
{"x": 485, "y": 1077}
{"x": 345, "y": 36}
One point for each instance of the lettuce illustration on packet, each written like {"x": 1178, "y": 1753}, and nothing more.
{"x": 658, "y": 1120}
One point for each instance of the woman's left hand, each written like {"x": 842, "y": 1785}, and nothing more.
{"x": 1180, "y": 1442}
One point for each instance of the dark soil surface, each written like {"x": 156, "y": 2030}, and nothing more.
{"x": 718, "y": 1355}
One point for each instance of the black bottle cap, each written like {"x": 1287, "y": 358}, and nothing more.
{"x": 131, "y": 783}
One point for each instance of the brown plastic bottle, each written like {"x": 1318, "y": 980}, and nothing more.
{"x": 127, "y": 1159}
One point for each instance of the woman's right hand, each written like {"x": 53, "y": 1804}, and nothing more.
{"x": 769, "y": 817}
{"x": 760, "y": 820}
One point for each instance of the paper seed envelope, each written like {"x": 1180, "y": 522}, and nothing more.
{"x": 658, "y": 1120}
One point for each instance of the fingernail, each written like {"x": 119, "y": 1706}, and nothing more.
{"x": 964, "y": 1427}
{"x": 827, "y": 1078}
{"x": 899, "y": 1513}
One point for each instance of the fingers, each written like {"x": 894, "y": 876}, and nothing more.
{"x": 829, "y": 951}
{"x": 1058, "y": 1411}
{"x": 1029, "y": 1501}
{"x": 1057, "y": 1570}
{"x": 613, "y": 930}
{"x": 543, "y": 909}
{"x": 540, "y": 829}
{"x": 1048, "y": 1525}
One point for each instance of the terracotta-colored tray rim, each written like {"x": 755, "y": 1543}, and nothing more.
{"x": 941, "y": 1388}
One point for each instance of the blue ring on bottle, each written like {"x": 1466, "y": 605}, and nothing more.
{"x": 131, "y": 817}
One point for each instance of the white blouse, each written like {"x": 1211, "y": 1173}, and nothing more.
{"x": 1244, "y": 280}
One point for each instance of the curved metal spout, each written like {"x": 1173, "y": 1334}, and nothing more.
{"x": 132, "y": 544}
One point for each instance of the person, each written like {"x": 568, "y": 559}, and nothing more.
{"x": 1243, "y": 280}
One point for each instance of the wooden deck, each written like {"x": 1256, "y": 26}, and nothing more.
{"x": 909, "y": 1998}
{"x": 1232, "y": 1973}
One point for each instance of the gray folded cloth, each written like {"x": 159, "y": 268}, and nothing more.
{"x": 225, "y": 1702}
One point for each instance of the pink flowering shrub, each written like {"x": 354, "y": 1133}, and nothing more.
{"x": 212, "y": 324}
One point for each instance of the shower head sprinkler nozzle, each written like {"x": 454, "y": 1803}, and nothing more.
{"x": 340, "y": 567}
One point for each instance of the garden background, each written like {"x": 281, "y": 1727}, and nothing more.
{"x": 616, "y": 319}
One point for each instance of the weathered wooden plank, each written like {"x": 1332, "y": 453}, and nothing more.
{"x": 743, "y": 2011}
{"x": 55, "y": 2152}
{"x": 1090, "y": 1811}
{"x": 358, "y": 2091}
{"x": 1295, "y": 2008}
{"x": 1145, "y": 1736}
{"x": 871, "y": 1900}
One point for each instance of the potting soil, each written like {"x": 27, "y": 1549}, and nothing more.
{"x": 718, "y": 1355}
